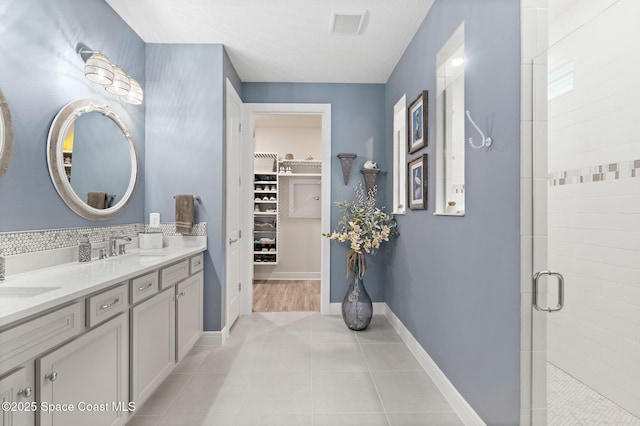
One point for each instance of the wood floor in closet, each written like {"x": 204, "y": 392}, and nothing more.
{"x": 286, "y": 296}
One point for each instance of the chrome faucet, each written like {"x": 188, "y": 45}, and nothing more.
{"x": 116, "y": 249}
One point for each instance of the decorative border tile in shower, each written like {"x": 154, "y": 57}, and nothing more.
{"x": 612, "y": 171}
{"x": 169, "y": 229}
{"x": 12, "y": 243}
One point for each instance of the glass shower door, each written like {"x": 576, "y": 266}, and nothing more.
{"x": 587, "y": 110}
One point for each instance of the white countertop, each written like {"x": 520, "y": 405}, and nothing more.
{"x": 75, "y": 280}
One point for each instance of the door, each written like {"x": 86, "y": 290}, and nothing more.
{"x": 16, "y": 390}
{"x": 188, "y": 314}
{"x": 89, "y": 376}
{"x": 153, "y": 344}
{"x": 586, "y": 342}
{"x": 233, "y": 208}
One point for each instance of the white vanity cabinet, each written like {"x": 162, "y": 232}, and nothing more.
{"x": 152, "y": 344}
{"x": 95, "y": 358}
{"x": 16, "y": 388}
{"x": 189, "y": 314}
{"x": 166, "y": 326}
{"x": 85, "y": 382}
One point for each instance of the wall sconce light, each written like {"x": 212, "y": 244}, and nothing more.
{"x": 99, "y": 69}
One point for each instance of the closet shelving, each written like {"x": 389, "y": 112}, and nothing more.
{"x": 266, "y": 216}
{"x": 308, "y": 168}
{"x": 67, "y": 156}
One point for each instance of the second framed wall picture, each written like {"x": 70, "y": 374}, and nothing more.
{"x": 417, "y": 172}
{"x": 418, "y": 129}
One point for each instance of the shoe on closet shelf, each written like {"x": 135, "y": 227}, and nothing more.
{"x": 273, "y": 188}
{"x": 272, "y": 198}
{"x": 265, "y": 198}
{"x": 258, "y": 199}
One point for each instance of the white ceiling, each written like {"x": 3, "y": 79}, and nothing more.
{"x": 284, "y": 40}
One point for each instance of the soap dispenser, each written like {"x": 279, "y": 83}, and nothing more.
{"x": 84, "y": 249}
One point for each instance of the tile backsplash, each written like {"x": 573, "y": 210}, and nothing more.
{"x": 14, "y": 243}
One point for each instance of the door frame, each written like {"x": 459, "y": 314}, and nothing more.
{"x": 249, "y": 110}
{"x": 533, "y": 212}
{"x": 231, "y": 95}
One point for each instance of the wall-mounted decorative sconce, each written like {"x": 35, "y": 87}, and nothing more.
{"x": 486, "y": 141}
{"x": 99, "y": 69}
{"x": 346, "y": 161}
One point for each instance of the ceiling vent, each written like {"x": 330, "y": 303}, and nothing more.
{"x": 351, "y": 22}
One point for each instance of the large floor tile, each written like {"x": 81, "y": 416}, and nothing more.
{"x": 409, "y": 391}
{"x": 198, "y": 419}
{"x": 213, "y": 394}
{"x": 250, "y": 419}
{"x": 279, "y": 384}
{"x": 337, "y": 357}
{"x": 390, "y": 356}
{"x": 285, "y": 358}
{"x": 231, "y": 357}
{"x": 379, "y": 331}
{"x": 191, "y": 362}
{"x": 144, "y": 421}
{"x": 424, "y": 419}
{"x": 344, "y": 392}
{"x": 350, "y": 419}
{"x": 158, "y": 403}
{"x": 330, "y": 329}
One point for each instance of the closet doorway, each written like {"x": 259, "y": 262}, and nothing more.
{"x": 287, "y": 259}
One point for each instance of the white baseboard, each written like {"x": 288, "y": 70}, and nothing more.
{"x": 213, "y": 338}
{"x": 287, "y": 276}
{"x": 379, "y": 308}
{"x": 451, "y": 394}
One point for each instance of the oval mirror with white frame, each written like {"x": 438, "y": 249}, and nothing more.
{"x": 6, "y": 135}
{"x": 92, "y": 159}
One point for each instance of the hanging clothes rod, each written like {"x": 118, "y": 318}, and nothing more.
{"x": 195, "y": 197}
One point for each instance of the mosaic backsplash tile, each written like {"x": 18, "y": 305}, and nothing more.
{"x": 612, "y": 171}
{"x": 169, "y": 229}
{"x": 13, "y": 243}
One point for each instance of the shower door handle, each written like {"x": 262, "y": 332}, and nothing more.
{"x": 560, "y": 278}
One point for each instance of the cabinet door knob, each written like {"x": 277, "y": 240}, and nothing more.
{"x": 26, "y": 392}
{"x": 179, "y": 295}
{"x": 51, "y": 376}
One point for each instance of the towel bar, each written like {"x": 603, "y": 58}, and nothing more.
{"x": 195, "y": 197}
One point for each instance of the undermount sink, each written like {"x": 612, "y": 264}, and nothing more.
{"x": 24, "y": 292}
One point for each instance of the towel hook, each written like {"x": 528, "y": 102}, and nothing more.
{"x": 486, "y": 141}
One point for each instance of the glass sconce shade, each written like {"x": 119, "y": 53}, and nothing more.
{"x": 135, "y": 95}
{"x": 98, "y": 69}
{"x": 120, "y": 85}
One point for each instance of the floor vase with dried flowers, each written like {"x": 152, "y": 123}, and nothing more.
{"x": 357, "y": 309}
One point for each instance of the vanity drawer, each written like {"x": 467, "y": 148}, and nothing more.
{"x": 35, "y": 336}
{"x": 143, "y": 287}
{"x": 174, "y": 273}
{"x": 197, "y": 263}
{"x": 107, "y": 304}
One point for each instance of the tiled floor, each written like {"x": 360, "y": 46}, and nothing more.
{"x": 302, "y": 369}
{"x": 572, "y": 403}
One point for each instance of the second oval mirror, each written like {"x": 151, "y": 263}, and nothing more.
{"x": 92, "y": 159}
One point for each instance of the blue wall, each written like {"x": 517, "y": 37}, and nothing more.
{"x": 185, "y": 149}
{"x": 455, "y": 281}
{"x": 40, "y": 73}
{"x": 357, "y": 125}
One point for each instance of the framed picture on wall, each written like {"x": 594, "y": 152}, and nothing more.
{"x": 418, "y": 128}
{"x": 417, "y": 172}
